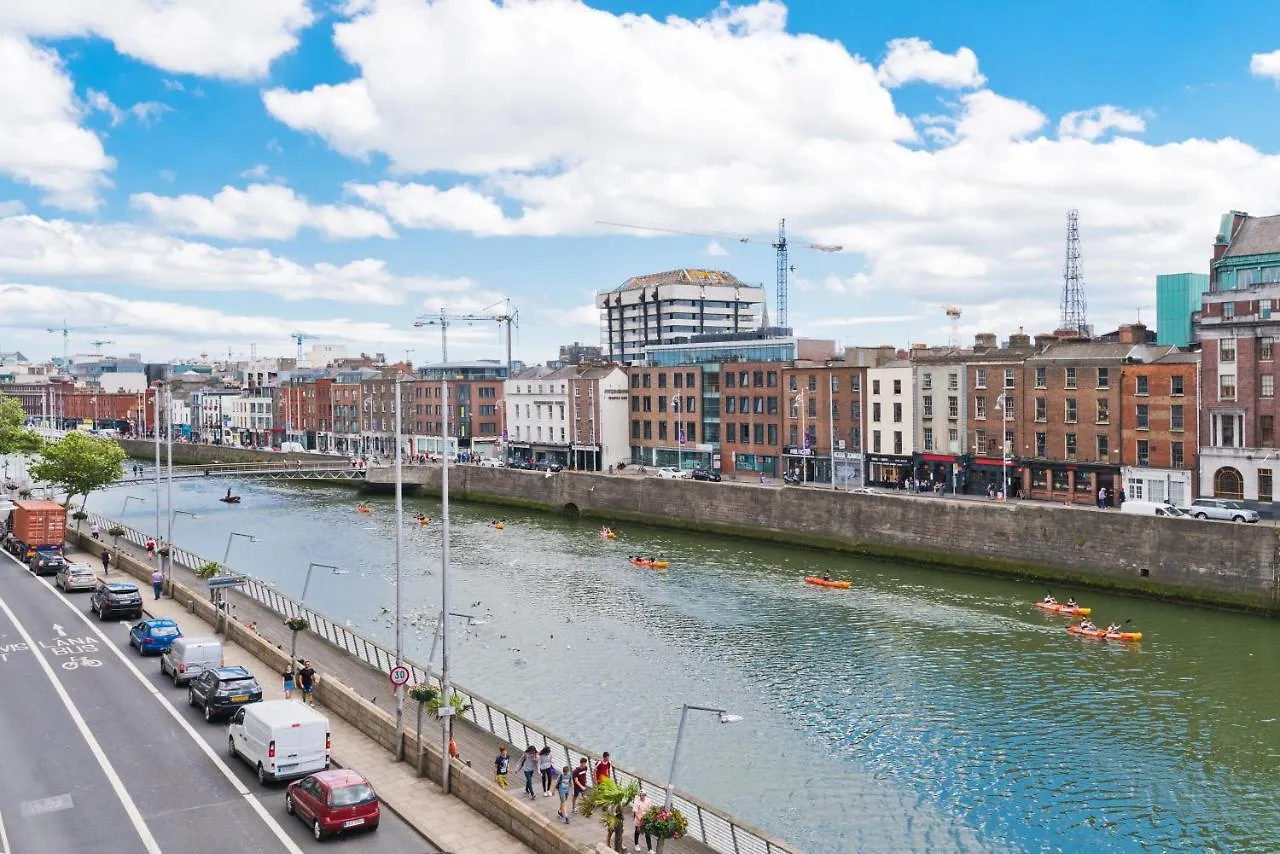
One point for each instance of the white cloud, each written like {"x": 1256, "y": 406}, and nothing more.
{"x": 915, "y": 60}
{"x": 260, "y": 211}
{"x": 32, "y": 247}
{"x": 458, "y": 208}
{"x": 1091, "y": 124}
{"x": 143, "y": 111}
{"x": 1266, "y": 65}
{"x": 258, "y": 172}
{"x": 221, "y": 38}
{"x": 859, "y": 284}
{"x": 865, "y": 320}
{"x": 714, "y": 249}
{"x": 41, "y": 141}
{"x": 990, "y": 118}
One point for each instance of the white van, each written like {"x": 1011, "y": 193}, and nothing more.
{"x": 1152, "y": 508}
{"x": 280, "y": 739}
{"x": 186, "y": 658}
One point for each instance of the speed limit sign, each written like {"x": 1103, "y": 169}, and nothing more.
{"x": 399, "y": 675}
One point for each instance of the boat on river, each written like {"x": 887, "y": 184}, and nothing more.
{"x": 646, "y": 563}
{"x": 1069, "y": 610}
{"x": 827, "y": 582}
{"x": 1103, "y": 634}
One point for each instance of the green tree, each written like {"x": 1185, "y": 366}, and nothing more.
{"x": 612, "y": 801}
{"x": 79, "y": 463}
{"x": 15, "y": 438}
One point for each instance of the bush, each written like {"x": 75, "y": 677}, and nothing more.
{"x": 24, "y": 493}
{"x": 115, "y": 531}
{"x": 298, "y": 624}
{"x": 207, "y": 570}
{"x": 79, "y": 514}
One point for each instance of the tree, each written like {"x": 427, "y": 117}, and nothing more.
{"x": 78, "y": 464}
{"x": 612, "y": 801}
{"x": 15, "y": 438}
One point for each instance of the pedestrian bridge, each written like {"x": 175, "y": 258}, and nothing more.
{"x": 260, "y": 471}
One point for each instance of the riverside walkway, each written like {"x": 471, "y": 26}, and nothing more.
{"x": 398, "y": 782}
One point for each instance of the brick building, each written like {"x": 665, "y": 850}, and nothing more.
{"x": 669, "y": 424}
{"x": 993, "y": 430}
{"x": 1158, "y": 425}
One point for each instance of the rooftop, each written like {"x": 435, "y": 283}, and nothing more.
{"x": 683, "y": 276}
{"x": 1257, "y": 235}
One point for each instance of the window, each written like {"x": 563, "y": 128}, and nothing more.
{"x": 875, "y": 412}
{"x": 953, "y": 407}
{"x": 1042, "y": 444}
{"x": 953, "y": 382}
{"x": 813, "y": 406}
{"x": 1268, "y": 388}
{"x": 773, "y": 405}
{"x": 1143, "y": 417}
{"x": 647, "y": 380}
{"x": 635, "y": 404}
{"x": 980, "y": 408}
{"x": 1226, "y": 350}
{"x": 1176, "y": 386}
{"x": 928, "y": 407}
{"x": 729, "y": 379}
{"x": 926, "y": 381}
{"x": 648, "y": 430}
{"x": 875, "y": 386}
{"x": 1135, "y": 490}
{"x": 794, "y": 384}
{"x": 897, "y": 386}
{"x": 855, "y": 438}
{"x": 897, "y": 413}
{"x": 1227, "y": 483}
{"x": 1266, "y": 344}
{"x": 662, "y": 402}
{"x": 1008, "y": 377}
{"x": 855, "y": 383}
{"x": 1144, "y": 452}
{"x": 1104, "y": 446}
{"x": 1177, "y": 457}
{"x": 980, "y": 442}
{"x": 834, "y": 383}
{"x": 689, "y": 381}
{"x": 662, "y": 430}
{"x": 1143, "y": 387}
{"x": 1070, "y": 381}
{"x": 1226, "y": 387}
{"x": 635, "y": 382}
{"x": 897, "y": 441}
{"x": 1176, "y": 417}
{"x": 928, "y": 438}
{"x": 1266, "y": 430}
{"x": 1069, "y": 414}
{"x": 980, "y": 378}
{"x": 1070, "y": 444}
{"x": 1041, "y": 378}
{"x": 813, "y": 382}
{"x": 1042, "y": 409}
{"x": 1104, "y": 411}
{"x": 1008, "y": 443}
{"x": 772, "y": 379}
{"x": 635, "y": 430}
{"x": 1264, "y": 485}
{"x": 730, "y": 405}
{"x": 662, "y": 380}
{"x": 953, "y": 436}
{"x": 690, "y": 404}
{"x": 679, "y": 380}
{"x": 875, "y": 441}
{"x": 1104, "y": 378}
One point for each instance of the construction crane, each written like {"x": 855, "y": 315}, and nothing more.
{"x": 953, "y": 313}
{"x": 444, "y": 320}
{"x": 298, "y": 338}
{"x": 97, "y": 346}
{"x": 781, "y": 245}
{"x": 67, "y": 330}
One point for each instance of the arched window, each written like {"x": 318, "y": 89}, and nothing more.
{"x": 1227, "y": 483}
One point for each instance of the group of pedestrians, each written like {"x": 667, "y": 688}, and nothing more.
{"x": 304, "y": 677}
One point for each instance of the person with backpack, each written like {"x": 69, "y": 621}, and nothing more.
{"x": 563, "y": 788}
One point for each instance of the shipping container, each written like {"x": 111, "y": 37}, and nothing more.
{"x": 40, "y": 523}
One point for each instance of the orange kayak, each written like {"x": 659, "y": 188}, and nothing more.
{"x": 1069, "y": 610}
{"x": 1102, "y": 634}
{"x": 822, "y": 582}
{"x": 649, "y": 564}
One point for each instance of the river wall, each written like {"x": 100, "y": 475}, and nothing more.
{"x": 1218, "y": 563}
{"x": 187, "y": 454}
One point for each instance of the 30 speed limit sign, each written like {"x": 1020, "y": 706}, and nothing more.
{"x": 399, "y": 675}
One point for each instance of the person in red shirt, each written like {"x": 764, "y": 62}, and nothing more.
{"x": 604, "y": 768}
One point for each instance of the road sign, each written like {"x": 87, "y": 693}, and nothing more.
{"x": 219, "y": 581}
{"x": 399, "y": 675}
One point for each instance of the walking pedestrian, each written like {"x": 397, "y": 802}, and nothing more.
{"x": 639, "y": 807}
{"x": 563, "y": 788}
{"x": 581, "y": 777}
{"x": 94, "y": 530}
{"x": 604, "y": 768}
{"x": 288, "y": 683}
{"x": 501, "y": 765}
{"x": 529, "y": 765}
{"x": 547, "y": 768}
{"x": 106, "y": 562}
{"x": 151, "y": 547}
{"x": 157, "y": 582}
{"x": 307, "y": 678}
{"x": 1102, "y": 498}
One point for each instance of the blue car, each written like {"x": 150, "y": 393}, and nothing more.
{"x": 154, "y": 636}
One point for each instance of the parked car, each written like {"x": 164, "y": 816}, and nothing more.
{"x": 155, "y": 635}
{"x": 116, "y": 599}
{"x": 221, "y": 690}
{"x": 543, "y": 465}
{"x": 706, "y": 474}
{"x": 671, "y": 472}
{"x": 188, "y": 657}
{"x": 1153, "y": 508}
{"x": 1222, "y": 509}
{"x": 74, "y": 577}
{"x": 44, "y": 563}
{"x": 491, "y": 463}
{"x": 334, "y": 801}
{"x": 863, "y": 490}
{"x": 280, "y": 739}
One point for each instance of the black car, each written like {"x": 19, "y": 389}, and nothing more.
{"x": 221, "y": 690}
{"x": 706, "y": 474}
{"x": 46, "y": 564}
{"x": 543, "y": 465}
{"x": 116, "y": 599}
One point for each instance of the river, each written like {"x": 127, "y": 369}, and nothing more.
{"x": 919, "y": 710}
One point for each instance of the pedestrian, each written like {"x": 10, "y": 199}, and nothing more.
{"x": 581, "y": 777}
{"x": 157, "y": 581}
{"x": 547, "y": 769}
{"x": 307, "y": 678}
{"x": 1102, "y": 498}
{"x": 604, "y": 768}
{"x": 288, "y": 683}
{"x": 106, "y": 562}
{"x": 501, "y": 765}
{"x": 151, "y": 547}
{"x": 639, "y": 807}
{"x": 453, "y": 749}
{"x": 94, "y": 530}
{"x": 563, "y": 788}
{"x": 529, "y": 765}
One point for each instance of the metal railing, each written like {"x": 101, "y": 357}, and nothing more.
{"x": 717, "y": 831}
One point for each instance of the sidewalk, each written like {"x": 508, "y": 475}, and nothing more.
{"x": 442, "y": 819}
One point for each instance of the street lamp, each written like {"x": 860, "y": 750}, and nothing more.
{"x": 227, "y": 551}
{"x": 220, "y": 599}
{"x": 306, "y": 582}
{"x": 399, "y": 454}
{"x": 722, "y": 715}
{"x": 1003, "y": 406}
{"x": 798, "y": 400}
{"x": 127, "y": 499}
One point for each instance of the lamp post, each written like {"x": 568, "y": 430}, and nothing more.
{"x": 306, "y": 582}
{"x": 127, "y": 499}
{"x": 798, "y": 400}
{"x": 155, "y": 429}
{"x": 724, "y": 717}
{"x": 399, "y": 590}
{"x": 230, "y": 537}
{"x": 168, "y": 501}
{"x": 220, "y": 600}
{"x": 446, "y": 707}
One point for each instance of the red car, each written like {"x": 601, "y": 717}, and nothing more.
{"x": 334, "y": 801}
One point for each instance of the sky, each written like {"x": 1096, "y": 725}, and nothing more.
{"x": 188, "y": 177}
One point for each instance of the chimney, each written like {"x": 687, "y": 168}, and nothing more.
{"x": 1133, "y": 333}
{"x": 1067, "y": 335}
{"x": 1044, "y": 339}
{"x": 1019, "y": 340}
{"x": 984, "y": 341}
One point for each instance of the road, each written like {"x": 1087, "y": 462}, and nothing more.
{"x": 101, "y": 756}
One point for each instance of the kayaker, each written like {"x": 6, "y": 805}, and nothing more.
{"x": 1086, "y": 626}
{"x": 1113, "y": 628}
{"x": 826, "y": 578}
{"x": 1049, "y": 600}
{"x": 1071, "y": 603}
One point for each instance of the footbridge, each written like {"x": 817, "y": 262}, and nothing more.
{"x": 261, "y": 471}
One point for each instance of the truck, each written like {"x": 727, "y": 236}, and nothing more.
{"x": 36, "y": 526}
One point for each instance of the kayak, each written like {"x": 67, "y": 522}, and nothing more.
{"x": 822, "y": 582}
{"x": 498, "y": 526}
{"x": 649, "y": 564}
{"x": 608, "y": 535}
{"x": 1102, "y": 634}
{"x": 1070, "y": 610}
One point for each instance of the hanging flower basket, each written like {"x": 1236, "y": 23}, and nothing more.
{"x": 298, "y": 624}
{"x": 207, "y": 570}
{"x": 79, "y": 514}
{"x": 423, "y": 693}
{"x": 24, "y": 493}
{"x": 163, "y": 551}
{"x": 115, "y": 531}
{"x": 665, "y": 823}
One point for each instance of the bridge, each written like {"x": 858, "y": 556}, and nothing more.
{"x": 261, "y": 471}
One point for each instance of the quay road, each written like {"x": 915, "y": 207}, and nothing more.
{"x": 102, "y": 757}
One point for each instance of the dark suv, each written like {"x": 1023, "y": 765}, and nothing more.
{"x": 45, "y": 563}
{"x": 116, "y": 599}
{"x": 706, "y": 474}
{"x": 221, "y": 690}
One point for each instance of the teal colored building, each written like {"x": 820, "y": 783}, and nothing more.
{"x": 1177, "y": 297}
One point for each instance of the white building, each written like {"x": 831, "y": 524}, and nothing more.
{"x": 322, "y": 355}
{"x": 537, "y": 403}
{"x": 251, "y": 417}
{"x": 576, "y": 416}
{"x": 941, "y": 405}
{"x": 891, "y": 420}
{"x": 658, "y": 308}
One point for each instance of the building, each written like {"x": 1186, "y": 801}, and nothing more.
{"x": 742, "y": 405}
{"x": 211, "y": 415}
{"x": 251, "y": 418}
{"x": 891, "y": 437}
{"x": 1178, "y": 297}
{"x": 576, "y": 354}
{"x": 993, "y": 431}
{"x": 825, "y": 420}
{"x": 942, "y": 413}
{"x": 475, "y": 416}
{"x": 663, "y": 307}
{"x": 574, "y": 416}
{"x": 669, "y": 421}
{"x": 1159, "y": 427}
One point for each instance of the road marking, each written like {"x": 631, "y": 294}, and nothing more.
{"x": 130, "y": 808}
{"x": 62, "y": 633}
{"x": 43, "y": 806}
{"x": 4, "y": 838}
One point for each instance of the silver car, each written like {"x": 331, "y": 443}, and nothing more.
{"x": 1221, "y": 509}
{"x": 74, "y": 576}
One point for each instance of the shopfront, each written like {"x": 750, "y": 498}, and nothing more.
{"x": 848, "y": 469}
{"x": 806, "y": 464}
{"x": 984, "y": 475}
{"x": 1071, "y": 483}
{"x": 888, "y": 470}
{"x": 945, "y": 469}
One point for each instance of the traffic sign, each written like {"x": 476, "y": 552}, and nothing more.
{"x": 226, "y": 581}
{"x": 399, "y": 675}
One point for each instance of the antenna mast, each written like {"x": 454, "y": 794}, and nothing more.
{"x": 1074, "y": 307}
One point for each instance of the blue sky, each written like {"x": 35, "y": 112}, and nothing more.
{"x": 219, "y": 182}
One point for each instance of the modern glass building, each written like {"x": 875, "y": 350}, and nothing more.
{"x": 764, "y": 345}
{"x": 1178, "y": 295}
